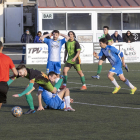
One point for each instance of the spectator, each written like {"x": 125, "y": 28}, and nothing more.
{"x": 128, "y": 38}
{"x": 116, "y": 37}
{"x": 26, "y": 38}
{"x": 36, "y": 40}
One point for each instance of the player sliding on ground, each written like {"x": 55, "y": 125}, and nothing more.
{"x": 72, "y": 49}
{"x": 113, "y": 55}
{"x": 37, "y": 78}
{"x": 61, "y": 100}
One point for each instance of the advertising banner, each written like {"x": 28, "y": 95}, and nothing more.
{"x": 38, "y": 53}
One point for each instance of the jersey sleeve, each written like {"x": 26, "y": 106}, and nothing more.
{"x": 40, "y": 88}
{"x": 46, "y": 40}
{"x": 114, "y": 50}
{"x": 63, "y": 41}
{"x": 11, "y": 64}
{"x": 109, "y": 38}
{"x": 48, "y": 86}
{"x": 77, "y": 46}
{"x": 100, "y": 54}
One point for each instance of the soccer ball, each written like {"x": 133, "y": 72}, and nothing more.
{"x": 16, "y": 111}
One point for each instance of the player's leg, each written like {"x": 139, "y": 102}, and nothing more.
{"x": 65, "y": 94}
{"x": 57, "y": 69}
{"x": 65, "y": 74}
{"x": 99, "y": 67}
{"x": 0, "y": 105}
{"x": 50, "y": 67}
{"x": 126, "y": 81}
{"x": 112, "y": 79}
{"x": 29, "y": 100}
{"x": 3, "y": 92}
{"x": 79, "y": 71}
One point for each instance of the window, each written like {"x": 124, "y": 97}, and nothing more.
{"x": 79, "y": 21}
{"x": 131, "y": 21}
{"x": 53, "y": 21}
{"x": 112, "y": 20}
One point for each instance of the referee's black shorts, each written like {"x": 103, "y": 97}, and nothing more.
{"x": 3, "y": 91}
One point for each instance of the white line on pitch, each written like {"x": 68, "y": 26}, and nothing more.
{"x": 99, "y": 86}
{"x": 106, "y": 105}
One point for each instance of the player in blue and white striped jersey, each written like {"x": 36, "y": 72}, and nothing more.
{"x": 116, "y": 59}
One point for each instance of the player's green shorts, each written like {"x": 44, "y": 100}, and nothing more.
{"x": 76, "y": 66}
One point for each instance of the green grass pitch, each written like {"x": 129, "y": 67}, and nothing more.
{"x": 99, "y": 114}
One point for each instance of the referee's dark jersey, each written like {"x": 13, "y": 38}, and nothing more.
{"x": 5, "y": 65}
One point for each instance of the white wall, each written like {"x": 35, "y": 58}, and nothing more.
{"x": 1, "y": 22}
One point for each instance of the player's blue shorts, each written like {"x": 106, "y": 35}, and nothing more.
{"x": 53, "y": 103}
{"x": 117, "y": 69}
{"x": 54, "y": 66}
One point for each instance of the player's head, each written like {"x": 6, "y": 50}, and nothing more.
{"x": 55, "y": 34}
{"x": 103, "y": 42}
{"x": 105, "y": 28}
{"x": 71, "y": 34}
{"x": 52, "y": 76}
{"x": 39, "y": 33}
{"x": 1, "y": 46}
{"x": 22, "y": 70}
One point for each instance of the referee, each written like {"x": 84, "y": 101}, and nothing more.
{"x": 5, "y": 65}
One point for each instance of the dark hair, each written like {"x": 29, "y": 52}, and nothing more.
{"x": 71, "y": 32}
{"x": 39, "y": 32}
{"x": 21, "y": 67}
{"x": 51, "y": 73}
{"x": 106, "y": 27}
{"x": 1, "y": 44}
{"x": 103, "y": 40}
{"x": 55, "y": 31}
{"x": 45, "y": 33}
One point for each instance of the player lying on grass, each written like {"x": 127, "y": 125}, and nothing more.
{"x": 72, "y": 49}
{"x": 37, "y": 78}
{"x": 60, "y": 100}
{"x": 113, "y": 55}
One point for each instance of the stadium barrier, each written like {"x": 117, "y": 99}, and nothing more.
{"x": 37, "y": 53}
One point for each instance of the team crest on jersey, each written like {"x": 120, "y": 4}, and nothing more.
{"x": 108, "y": 51}
{"x": 113, "y": 68}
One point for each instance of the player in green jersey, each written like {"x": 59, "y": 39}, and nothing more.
{"x": 37, "y": 78}
{"x": 72, "y": 49}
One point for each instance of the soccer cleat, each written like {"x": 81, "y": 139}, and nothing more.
{"x": 133, "y": 90}
{"x": 83, "y": 88}
{"x": 96, "y": 77}
{"x": 62, "y": 87}
{"x": 126, "y": 67}
{"x": 116, "y": 89}
{"x": 30, "y": 111}
{"x": 69, "y": 109}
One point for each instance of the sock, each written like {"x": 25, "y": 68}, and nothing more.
{"x": 58, "y": 84}
{"x": 67, "y": 101}
{"x": 99, "y": 69}
{"x": 29, "y": 100}
{"x": 129, "y": 84}
{"x": 83, "y": 80}
{"x": 65, "y": 79}
{"x": 56, "y": 80}
{"x": 115, "y": 83}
